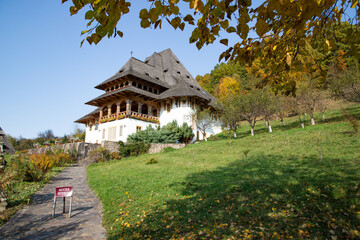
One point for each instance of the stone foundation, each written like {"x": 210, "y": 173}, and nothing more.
{"x": 82, "y": 149}
{"x": 3, "y": 204}
{"x": 157, "y": 147}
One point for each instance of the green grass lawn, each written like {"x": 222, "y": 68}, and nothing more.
{"x": 210, "y": 190}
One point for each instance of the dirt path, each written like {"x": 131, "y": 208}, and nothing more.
{"x": 35, "y": 222}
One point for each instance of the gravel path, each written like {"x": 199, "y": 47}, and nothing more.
{"x": 35, "y": 222}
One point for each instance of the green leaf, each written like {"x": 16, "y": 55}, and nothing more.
{"x": 120, "y": 33}
{"x": 158, "y": 23}
{"x": 231, "y": 29}
{"x": 224, "y": 24}
{"x": 144, "y": 14}
{"x": 89, "y": 14}
{"x": 145, "y": 23}
{"x": 224, "y": 41}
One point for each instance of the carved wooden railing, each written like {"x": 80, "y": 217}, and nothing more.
{"x": 135, "y": 115}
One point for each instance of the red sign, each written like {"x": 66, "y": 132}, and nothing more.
{"x": 64, "y": 192}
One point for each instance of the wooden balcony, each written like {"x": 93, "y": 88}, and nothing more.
{"x": 134, "y": 115}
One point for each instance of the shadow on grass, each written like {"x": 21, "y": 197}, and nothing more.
{"x": 262, "y": 197}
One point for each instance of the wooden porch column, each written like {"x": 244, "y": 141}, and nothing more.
{"x": 139, "y": 107}
{"x": 150, "y": 110}
{"x": 109, "y": 110}
{"x": 117, "y": 108}
{"x": 128, "y": 106}
{"x": 101, "y": 113}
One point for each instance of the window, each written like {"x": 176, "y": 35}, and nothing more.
{"x": 184, "y": 103}
{"x": 96, "y": 126}
{"x": 168, "y": 107}
{"x": 103, "y": 134}
{"x": 138, "y": 128}
{"x": 112, "y": 134}
{"x": 121, "y": 128}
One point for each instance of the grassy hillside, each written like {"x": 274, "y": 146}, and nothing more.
{"x": 210, "y": 190}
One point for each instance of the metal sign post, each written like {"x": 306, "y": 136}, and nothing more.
{"x": 63, "y": 192}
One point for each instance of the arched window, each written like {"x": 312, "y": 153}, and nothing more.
{"x": 144, "y": 109}
{"x": 105, "y": 111}
{"x": 134, "y": 106}
{"x": 113, "y": 108}
{"x": 154, "y": 112}
{"x": 123, "y": 106}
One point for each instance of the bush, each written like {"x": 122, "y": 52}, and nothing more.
{"x": 100, "y": 154}
{"x": 168, "y": 149}
{"x": 37, "y": 166}
{"x": 115, "y": 155}
{"x": 133, "y": 149}
{"x": 170, "y": 133}
{"x": 151, "y": 161}
{"x": 214, "y": 138}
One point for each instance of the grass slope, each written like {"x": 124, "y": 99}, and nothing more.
{"x": 211, "y": 191}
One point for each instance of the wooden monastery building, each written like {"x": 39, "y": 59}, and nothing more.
{"x": 142, "y": 93}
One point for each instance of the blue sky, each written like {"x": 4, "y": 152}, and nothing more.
{"x": 45, "y": 77}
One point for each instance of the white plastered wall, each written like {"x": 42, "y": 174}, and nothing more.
{"x": 183, "y": 113}
{"x": 112, "y": 130}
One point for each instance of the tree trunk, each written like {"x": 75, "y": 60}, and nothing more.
{"x": 312, "y": 119}
{"x": 282, "y": 121}
{"x": 323, "y": 116}
{"x": 301, "y": 122}
{"x": 235, "y": 134}
{"x": 269, "y": 125}
{"x": 252, "y": 130}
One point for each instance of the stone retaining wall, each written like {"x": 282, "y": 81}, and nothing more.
{"x": 3, "y": 204}
{"x": 111, "y": 146}
{"x": 81, "y": 148}
{"x": 157, "y": 147}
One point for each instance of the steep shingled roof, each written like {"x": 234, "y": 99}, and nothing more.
{"x": 8, "y": 147}
{"x": 163, "y": 69}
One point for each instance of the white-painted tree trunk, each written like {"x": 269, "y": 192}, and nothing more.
{"x": 235, "y": 134}
{"x": 312, "y": 120}
{"x": 301, "y": 122}
{"x": 323, "y": 116}
{"x": 252, "y": 130}
{"x": 283, "y": 123}
{"x": 269, "y": 125}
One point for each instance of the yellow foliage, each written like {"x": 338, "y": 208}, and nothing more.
{"x": 38, "y": 166}
{"x": 227, "y": 86}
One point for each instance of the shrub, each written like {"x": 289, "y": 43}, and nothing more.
{"x": 151, "y": 161}
{"x": 214, "y": 138}
{"x": 170, "y": 133}
{"x": 37, "y": 166}
{"x": 100, "y": 154}
{"x": 115, "y": 155}
{"x": 61, "y": 159}
{"x": 168, "y": 149}
{"x": 133, "y": 149}
{"x": 185, "y": 133}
